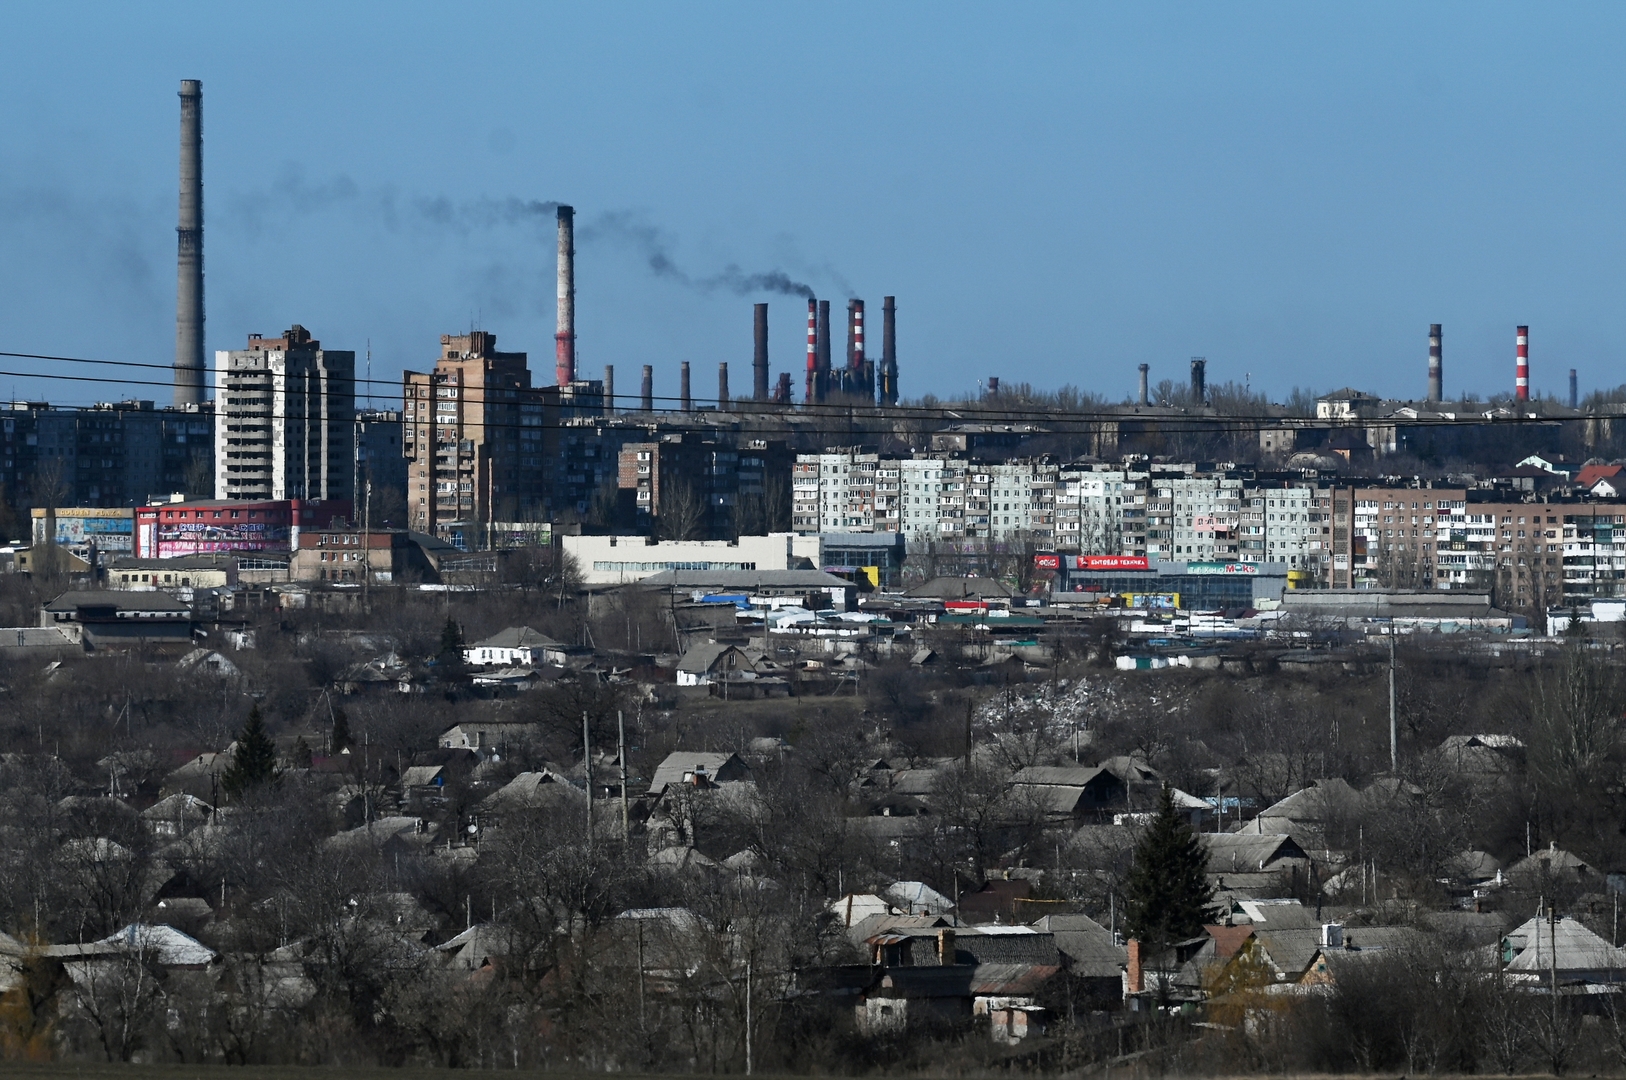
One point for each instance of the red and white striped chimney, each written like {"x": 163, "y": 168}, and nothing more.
{"x": 1521, "y": 371}
{"x": 858, "y": 339}
{"x": 812, "y": 348}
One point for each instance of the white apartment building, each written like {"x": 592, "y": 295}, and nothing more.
{"x": 1101, "y": 510}
{"x": 923, "y": 497}
{"x": 1193, "y": 517}
{"x": 834, "y": 491}
{"x": 1288, "y": 522}
{"x": 285, "y": 411}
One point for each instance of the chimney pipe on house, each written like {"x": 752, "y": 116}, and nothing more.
{"x": 1145, "y": 371}
{"x": 564, "y": 342}
{"x": 1436, "y": 363}
{"x": 189, "y": 361}
{"x": 685, "y": 402}
{"x": 647, "y": 394}
{"x": 945, "y": 947}
{"x": 1521, "y": 365}
{"x": 759, "y": 354}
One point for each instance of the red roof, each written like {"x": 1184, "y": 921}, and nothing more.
{"x": 1591, "y": 474}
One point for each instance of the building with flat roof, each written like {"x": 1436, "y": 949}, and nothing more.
{"x": 285, "y": 411}
{"x": 472, "y": 436}
{"x": 209, "y": 526}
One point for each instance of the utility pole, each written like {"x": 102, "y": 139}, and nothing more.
{"x": 621, "y": 739}
{"x": 1394, "y": 725}
{"x": 587, "y": 773}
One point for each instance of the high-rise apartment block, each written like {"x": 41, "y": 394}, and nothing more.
{"x": 285, "y": 411}
{"x": 472, "y": 435}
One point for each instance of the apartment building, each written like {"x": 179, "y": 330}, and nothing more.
{"x": 1287, "y": 521}
{"x": 1101, "y": 510}
{"x": 112, "y": 454}
{"x": 285, "y": 411}
{"x": 378, "y": 449}
{"x": 472, "y": 436}
{"x": 1389, "y": 536}
{"x": 1191, "y": 517}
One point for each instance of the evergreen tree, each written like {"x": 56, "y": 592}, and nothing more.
{"x": 1168, "y": 886}
{"x": 449, "y": 664}
{"x": 341, "y": 739}
{"x": 254, "y": 764}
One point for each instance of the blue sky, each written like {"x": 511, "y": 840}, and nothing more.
{"x": 1055, "y": 193}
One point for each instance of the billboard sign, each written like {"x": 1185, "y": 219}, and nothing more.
{"x": 1152, "y": 601}
{"x": 113, "y": 530}
{"x": 1112, "y": 562}
{"x": 1225, "y": 568}
{"x": 205, "y": 537}
{"x": 1047, "y": 560}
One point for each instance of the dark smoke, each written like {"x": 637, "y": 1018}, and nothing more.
{"x": 656, "y": 251}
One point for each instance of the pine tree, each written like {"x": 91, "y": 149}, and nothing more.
{"x": 341, "y": 740}
{"x": 449, "y": 664}
{"x": 254, "y": 764}
{"x": 1168, "y": 886}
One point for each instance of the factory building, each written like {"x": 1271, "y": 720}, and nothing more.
{"x": 285, "y": 411}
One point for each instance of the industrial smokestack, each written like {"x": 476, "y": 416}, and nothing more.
{"x": 759, "y": 354}
{"x": 812, "y": 394}
{"x": 1575, "y": 396}
{"x": 1436, "y": 363}
{"x": 862, "y": 383}
{"x": 1199, "y": 380}
{"x": 722, "y": 386}
{"x": 781, "y": 393}
{"x": 889, "y": 351}
{"x": 1521, "y": 365}
{"x": 823, "y": 381}
{"x": 1145, "y": 392}
{"x": 565, "y": 340}
{"x": 609, "y": 389}
{"x": 647, "y": 393}
{"x": 993, "y": 386}
{"x": 685, "y": 402}
{"x": 189, "y": 365}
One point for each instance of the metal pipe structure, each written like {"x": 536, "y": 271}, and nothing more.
{"x": 609, "y": 389}
{"x": 823, "y": 381}
{"x": 781, "y": 393}
{"x": 889, "y": 351}
{"x": 685, "y": 402}
{"x": 722, "y": 386}
{"x": 1575, "y": 396}
{"x": 1521, "y": 365}
{"x": 1199, "y": 380}
{"x": 647, "y": 393}
{"x": 759, "y": 354}
{"x": 1145, "y": 389}
{"x": 1436, "y": 363}
{"x": 189, "y": 364}
{"x": 564, "y": 342}
{"x": 812, "y": 394}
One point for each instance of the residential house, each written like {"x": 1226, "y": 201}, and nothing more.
{"x": 517, "y": 646}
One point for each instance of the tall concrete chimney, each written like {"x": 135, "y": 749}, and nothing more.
{"x": 781, "y": 393}
{"x": 812, "y": 394}
{"x": 609, "y": 389}
{"x": 1436, "y": 363}
{"x": 1145, "y": 390}
{"x": 823, "y": 381}
{"x": 860, "y": 367}
{"x": 1199, "y": 380}
{"x": 1575, "y": 396}
{"x": 1521, "y": 365}
{"x": 189, "y": 365}
{"x": 564, "y": 342}
{"x": 889, "y": 351}
{"x": 722, "y": 386}
{"x": 759, "y": 354}
{"x": 685, "y": 402}
{"x": 646, "y": 395}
